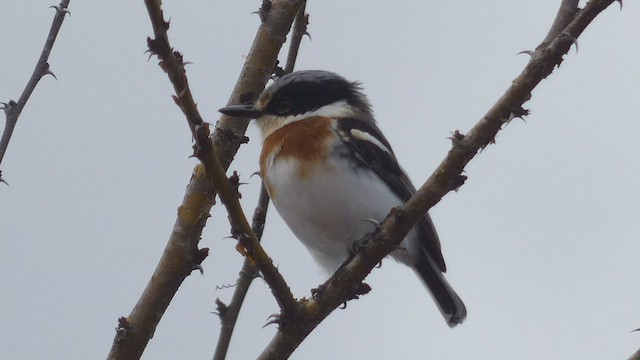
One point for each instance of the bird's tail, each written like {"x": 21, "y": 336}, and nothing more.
{"x": 449, "y": 303}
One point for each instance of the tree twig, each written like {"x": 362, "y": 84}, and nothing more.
{"x": 181, "y": 254}
{"x": 13, "y": 109}
{"x": 448, "y": 176}
{"x": 566, "y": 13}
{"x": 298, "y": 31}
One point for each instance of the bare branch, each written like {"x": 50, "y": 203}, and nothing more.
{"x": 245, "y": 278}
{"x": 567, "y": 11}
{"x": 181, "y": 254}
{"x": 298, "y": 30}
{"x": 340, "y": 287}
{"x": 13, "y": 109}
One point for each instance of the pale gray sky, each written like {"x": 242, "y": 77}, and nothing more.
{"x": 541, "y": 242}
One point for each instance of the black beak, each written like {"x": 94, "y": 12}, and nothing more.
{"x": 243, "y": 111}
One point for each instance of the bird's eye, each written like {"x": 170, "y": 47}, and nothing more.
{"x": 283, "y": 107}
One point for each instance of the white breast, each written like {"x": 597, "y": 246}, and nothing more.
{"x": 328, "y": 208}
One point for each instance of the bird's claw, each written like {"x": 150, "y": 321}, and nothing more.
{"x": 359, "y": 244}
{"x": 316, "y": 293}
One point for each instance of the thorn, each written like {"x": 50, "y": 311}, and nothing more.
{"x": 513, "y": 116}
{"x": 343, "y": 306}
{"x": 200, "y": 268}
{"x": 528, "y": 52}
{"x": 264, "y": 10}
{"x": 234, "y": 179}
{"x": 456, "y": 137}
{"x": 221, "y": 309}
{"x": 308, "y": 35}
{"x": 375, "y": 222}
{"x": 183, "y": 92}
{"x": 255, "y": 173}
{"x": 272, "y": 319}
{"x": 619, "y": 1}
{"x": 7, "y": 107}
{"x": 49, "y": 72}
{"x": 60, "y": 9}
{"x": 638, "y": 329}
{"x": 2, "y": 180}
{"x": 574, "y": 40}
{"x": 517, "y": 113}
{"x": 153, "y": 48}
{"x": 176, "y": 100}
{"x": 179, "y": 57}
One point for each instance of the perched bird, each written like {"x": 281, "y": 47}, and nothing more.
{"x": 328, "y": 169}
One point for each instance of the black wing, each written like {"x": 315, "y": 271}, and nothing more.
{"x": 366, "y": 142}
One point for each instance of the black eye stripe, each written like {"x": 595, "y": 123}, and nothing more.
{"x": 310, "y": 90}
{"x": 283, "y": 106}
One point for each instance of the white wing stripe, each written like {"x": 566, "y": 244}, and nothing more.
{"x": 364, "y": 136}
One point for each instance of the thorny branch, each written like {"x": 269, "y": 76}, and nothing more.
{"x": 181, "y": 254}
{"x": 13, "y": 109}
{"x": 448, "y": 176}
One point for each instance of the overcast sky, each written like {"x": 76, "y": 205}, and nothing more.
{"x": 541, "y": 242}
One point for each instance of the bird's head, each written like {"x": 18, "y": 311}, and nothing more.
{"x": 301, "y": 95}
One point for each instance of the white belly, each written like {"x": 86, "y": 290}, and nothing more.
{"x": 327, "y": 208}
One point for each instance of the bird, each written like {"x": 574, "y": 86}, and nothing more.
{"x": 331, "y": 175}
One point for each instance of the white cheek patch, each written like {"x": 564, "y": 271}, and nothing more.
{"x": 365, "y": 136}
